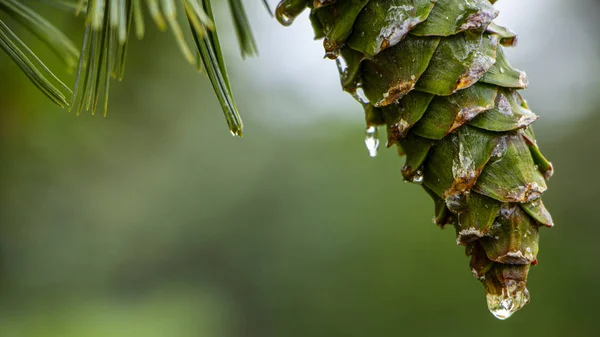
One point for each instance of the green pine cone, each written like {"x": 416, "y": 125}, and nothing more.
{"x": 434, "y": 73}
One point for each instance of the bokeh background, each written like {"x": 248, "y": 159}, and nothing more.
{"x": 154, "y": 221}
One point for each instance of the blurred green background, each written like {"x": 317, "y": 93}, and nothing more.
{"x": 154, "y": 221}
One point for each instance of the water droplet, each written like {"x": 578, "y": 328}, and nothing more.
{"x": 399, "y": 20}
{"x": 457, "y": 202}
{"x": 526, "y": 193}
{"x": 512, "y": 298}
{"x": 283, "y": 17}
{"x": 502, "y": 70}
{"x": 287, "y": 11}
{"x": 417, "y": 178}
{"x": 500, "y": 148}
{"x": 342, "y": 66}
{"x": 359, "y": 95}
{"x": 372, "y": 140}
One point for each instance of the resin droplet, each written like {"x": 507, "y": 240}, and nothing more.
{"x": 512, "y": 298}
{"x": 372, "y": 140}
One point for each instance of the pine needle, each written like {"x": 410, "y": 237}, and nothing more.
{"x": 54, "y": 38}
{"x": 266, "y": 3}
{"x": 102, "y": 52}
{"x": 31, "y": 65}
{"x": 138, "y": 18}
{"x": 242, "y": 28}
{"x": 156, "y": 14}
{"x": 170, "y": 12}
{"x": 212, "y": 58}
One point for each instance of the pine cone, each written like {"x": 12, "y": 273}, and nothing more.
{"x": 434, "y": 73}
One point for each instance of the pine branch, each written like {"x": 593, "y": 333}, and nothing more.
{"x": 107, "y": 30}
